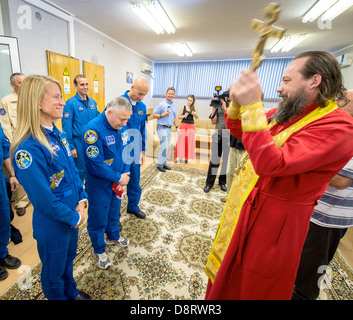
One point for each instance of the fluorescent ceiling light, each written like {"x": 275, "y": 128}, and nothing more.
{"x": 329, "y": 9}
{"x": 147, "y": 18}
{"x": 182, "y": 49}
{"x": 317, "y": 10}
{"x": 161, "y": 16}
{"x": 287, "y": 43}
{"x": 154, "y": 16}
{"x": 337, "y": 9}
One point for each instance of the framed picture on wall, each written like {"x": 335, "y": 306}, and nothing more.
{"x": 129, "y": 77}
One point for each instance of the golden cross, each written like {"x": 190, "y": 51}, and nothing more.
{"x": 266, "y": 30}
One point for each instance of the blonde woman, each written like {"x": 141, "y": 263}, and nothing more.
{"x": 185, "y": 146}
{"x": 45, "y": 168}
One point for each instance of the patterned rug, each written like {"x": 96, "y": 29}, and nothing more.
{"x": 338, "y": 284}
{"x": 168, "y": 250}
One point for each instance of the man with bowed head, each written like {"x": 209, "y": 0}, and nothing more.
{"x": 293, "y": 152}
{"x": 104, "y": 140}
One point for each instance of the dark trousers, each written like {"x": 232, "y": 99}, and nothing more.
{"x": 219, "y": 151}
{"x": 319, "y": 248}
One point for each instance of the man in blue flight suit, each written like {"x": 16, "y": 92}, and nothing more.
{"x": 137, "y": 134}
{"x": 104, "y": 141}
{"x": 79, "y": 110}
{"x": 6, "y": 261}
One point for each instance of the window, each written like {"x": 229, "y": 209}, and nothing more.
{"x": 200, "y": 77}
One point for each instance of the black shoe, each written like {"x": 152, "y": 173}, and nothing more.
{"x": 161, "y": 169}
{"x": 167, "y": 167}
{"x": 83, "y": 296}
{"x": 3, "y": 273}
{"x": 223, "y": 187}
{"x": 139, "y": 214}
{"x": 206, "y": 189}
{"x": 10, "y": 262}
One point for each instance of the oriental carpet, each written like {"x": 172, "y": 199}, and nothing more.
{"x": 168, "y": 250}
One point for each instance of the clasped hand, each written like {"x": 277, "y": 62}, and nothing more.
{"x": 246, "y": 90}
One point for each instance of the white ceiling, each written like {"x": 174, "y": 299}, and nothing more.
{"x": 214, "y": 29}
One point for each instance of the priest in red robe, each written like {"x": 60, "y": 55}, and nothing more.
{"x": 292, "y": 153}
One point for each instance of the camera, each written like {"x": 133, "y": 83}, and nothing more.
{"x": 216, "y": 101}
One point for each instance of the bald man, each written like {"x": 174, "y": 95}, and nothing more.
{"x": 137, "y": 132}
{"x": 328, "y": 224}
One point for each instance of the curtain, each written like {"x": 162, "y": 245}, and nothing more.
{"x": 200, "y": 77}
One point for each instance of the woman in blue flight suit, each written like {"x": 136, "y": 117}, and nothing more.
{"x": 44, "y": 166}
{"x": 104, "y": 142}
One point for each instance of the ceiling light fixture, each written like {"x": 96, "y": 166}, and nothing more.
{"x": 154, "y": 16}
{"x": 337, "y": 9}
{"x": 329, "y": 9}
{"x": 317, "y": 10}
{"x": 182, "y": 49}
{"x": 287, "y": 43}
{"x": 161, "y": 16}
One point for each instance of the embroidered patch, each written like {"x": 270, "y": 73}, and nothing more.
{"x": 110, "y": 140}
{"x": 124, "y": 137}
{"x": 81, "y": 108}
{"x": 23, "y": 159}
{"x": 66, "y": 115}
{"x": 55, "y": 179}
{"x": 55, "y": 147}
{"x": 2, "y": 112}
{"x": 92, "y": 106}
{"x": 109, "y": 162}
{"x": 66, "y": 145}
{"x": 90, "y": 136}
{"x": 140, "y": 113}
{"x": 92, "y": 152}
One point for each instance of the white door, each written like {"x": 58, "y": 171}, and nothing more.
{"x": 9, "y": 63}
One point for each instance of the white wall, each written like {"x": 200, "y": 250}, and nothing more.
{"x": 96, "y": 48}
{"x": 347, "y": 72}
{"x": 38, "y": 31}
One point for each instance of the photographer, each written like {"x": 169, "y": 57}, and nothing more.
{"x": 219, "y": 145}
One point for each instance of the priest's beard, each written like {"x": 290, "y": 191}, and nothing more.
{"x": 290, "y": 108}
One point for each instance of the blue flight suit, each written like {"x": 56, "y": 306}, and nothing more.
{"x": 77, "y": 113}
{"x": 54, "y": 188}
{"x": 104, "y": 147}
{"x": 5, "y": 229}
{"x": 137, "y": 133}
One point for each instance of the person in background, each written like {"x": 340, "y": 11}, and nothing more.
{"x": 185, "y": 146}
{"x": 44, "y": 165}
{"x": 6, "y": 261}
{"x": 328, "y": 224}
{"x": 137, "y": 132}
{"x": 8, "y": 120}
{"x": 219, "y": 149}
{"x": 165, "y": 113}
{"x": 104, "y": 139}
{"x": 236, "y": 152}
{"x": 78, "y": 111}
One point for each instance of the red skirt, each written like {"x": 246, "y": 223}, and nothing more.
{"x": 185, "y": 146}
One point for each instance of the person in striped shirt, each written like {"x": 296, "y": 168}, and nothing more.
{"x": 330, "y": 220}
